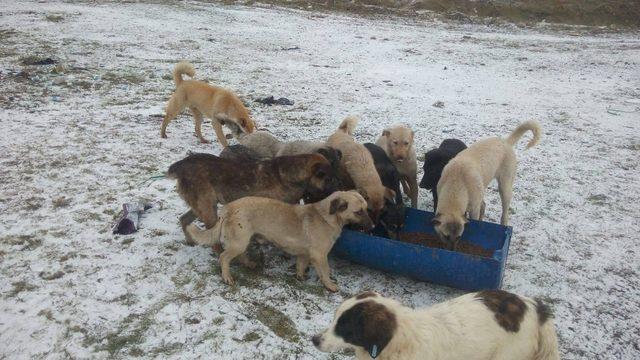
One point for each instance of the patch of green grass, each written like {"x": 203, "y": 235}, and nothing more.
{"x": 20, "y": 286}
{"x": 278, "y": 322}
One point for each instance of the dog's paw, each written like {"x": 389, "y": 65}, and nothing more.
{"x": 205, "y": 141}
{"x": 227, "y": 279}
{"x": 301, "y": 277}
{"x": 331, "y": 287}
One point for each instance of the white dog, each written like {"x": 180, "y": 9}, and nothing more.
{"x": 487, "y": 325}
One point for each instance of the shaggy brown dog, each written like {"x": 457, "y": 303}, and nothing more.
{"x": 214, "y": 102}
{"x": 205, "y": 180}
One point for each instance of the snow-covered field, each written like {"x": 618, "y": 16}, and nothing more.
{"x": 79, "y": 138}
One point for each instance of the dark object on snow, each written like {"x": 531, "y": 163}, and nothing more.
{"x": 128, "y": 223}
{"x": 434, "y": 161}
{"x": 392, "y": 218}
{"x": 38, "y": 61}
{"x": 272, "y": 101}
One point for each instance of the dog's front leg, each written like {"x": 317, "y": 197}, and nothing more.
{"x": 302, "y": 263}
{"x": 321, "y": 263}
{"x": 413, "y": 185}
{"x": 217, "y": 126}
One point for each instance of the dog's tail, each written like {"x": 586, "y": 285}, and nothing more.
{"x": 208, "y": 237}
{"x": 348, "y": 125}
{"x": 547, "y": 338}
{"x": 183, "y": 67}
{"x": 530, "y": 125}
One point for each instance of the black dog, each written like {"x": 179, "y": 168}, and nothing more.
{"x": 392, "y": 217}
{"x": 434, "y": 161}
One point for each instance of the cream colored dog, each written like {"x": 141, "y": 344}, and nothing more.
{"x": 466, "y": 177}
{"x": 397, "y": 142}
{"x": 214, "y": 102}
{"x": 357, "y": 161}
{"x": 305, "y": 231}
{"x": 487, "y": 325}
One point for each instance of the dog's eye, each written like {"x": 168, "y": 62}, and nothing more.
{"x": 395, "y": 142}
{"x": 406, "y": 143}
{"x": 320, "y": 174}
{"x": 360, "y": 212}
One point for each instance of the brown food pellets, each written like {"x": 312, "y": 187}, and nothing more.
{"x": 432, "y": 241}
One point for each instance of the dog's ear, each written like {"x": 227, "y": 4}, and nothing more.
{"x": 338, "y": 205}
{"x": 385, "y": 132}
{"x": 436, "y": 220}
{"x": 390, "y": 195}
{"x": 368, "y": 324}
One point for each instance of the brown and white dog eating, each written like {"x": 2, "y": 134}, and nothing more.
{"x": 305, "y": 231}
{"x": 487, "y": 325}
{"x": 214, "y": 102}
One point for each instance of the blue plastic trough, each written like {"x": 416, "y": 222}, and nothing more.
{"x": 459, "y": 270}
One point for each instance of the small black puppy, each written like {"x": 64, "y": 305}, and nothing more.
{"x": 392, "y": 217}
{"x": 434, "y": 161}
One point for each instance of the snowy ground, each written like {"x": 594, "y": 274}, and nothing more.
{"x": 79, "y": 138}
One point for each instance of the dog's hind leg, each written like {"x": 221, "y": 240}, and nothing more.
{"x": 174, "y": 108}
{"x": 207, "y": 211}
{"x": 505, "y": 187}
{"x": 186, "y": 219}
{"x": 197, "y": 116}
{"x": 236, "y": 244}
{"x": 217, "y": 126}
{"x": 321, "y": 263}
{"x": 302, "y": 263}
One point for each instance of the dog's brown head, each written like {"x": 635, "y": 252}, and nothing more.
{"x": 399, "y": 141}
{"x": 247, "y": 125}
{"x": 376, "y": 198}
{"x": 449, "y": 228}
{"x": 366, "y": 321}
{"x": 351, "y": 208}
{"x": 312, "y": 172}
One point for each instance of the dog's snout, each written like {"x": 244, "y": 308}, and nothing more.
{"x": 316, "y": 340}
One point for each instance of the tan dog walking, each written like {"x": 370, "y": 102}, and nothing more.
{"x": 214, "y": 102}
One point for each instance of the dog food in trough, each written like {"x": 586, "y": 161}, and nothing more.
{"x": 478, "y": 263}
{"x": 432, "y": 241}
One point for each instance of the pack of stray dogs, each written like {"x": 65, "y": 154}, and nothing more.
{"x": 299, "y": 195}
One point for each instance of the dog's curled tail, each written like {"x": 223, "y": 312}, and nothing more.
{"x": 208, "y": 237}
{"x": 530, "y": 125}
{"x": 183, "y": 67}
{"x": 547, "y": 338}
{"x": 348, "y": 125}
{"x": 547, "y": 343}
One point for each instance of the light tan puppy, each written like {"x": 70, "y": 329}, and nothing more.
{"x": 357, "y": 161}
{"x": 214, "y": 102}
{"x": 305, "y": 231}
{"x": 466, "y": 177}
{"x": 397, "y": 142}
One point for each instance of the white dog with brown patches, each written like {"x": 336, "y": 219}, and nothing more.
{"x": 487, "y": 325}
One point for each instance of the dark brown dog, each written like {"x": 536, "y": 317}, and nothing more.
{"x": 205, "y": 180}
